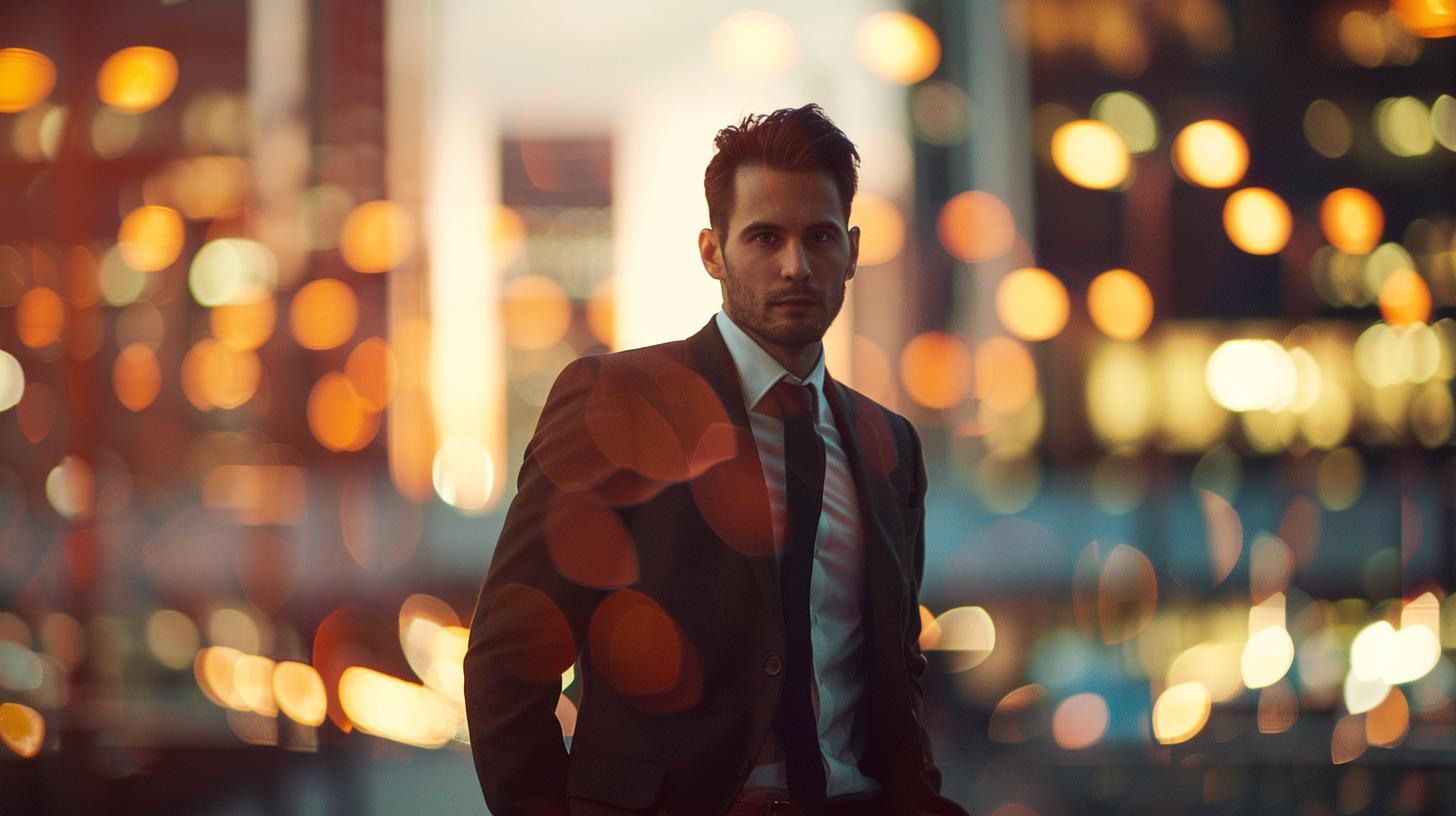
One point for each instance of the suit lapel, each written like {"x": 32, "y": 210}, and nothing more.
{"x": 880, "y": 526}
{"x": 876, "y": 503}
{"x": 708, "y": 354}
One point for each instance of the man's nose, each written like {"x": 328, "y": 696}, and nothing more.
{"x": 795, "y": 262}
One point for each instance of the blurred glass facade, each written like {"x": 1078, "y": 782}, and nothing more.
{"x": 1167, "y": 288}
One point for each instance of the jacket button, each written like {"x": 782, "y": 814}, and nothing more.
{"x": 773, "y": 665}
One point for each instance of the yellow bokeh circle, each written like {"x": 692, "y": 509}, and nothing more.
{"x": 26, "y": 78}
{"x": 137, "y": 79}
{"x": 1120, "y": 304}
{"x": 1211, "y": 153}
{"x": 377, "y": 236}
{"x": 935, "y": 368}
{"x": 150, "y": 238}
{"x": 882, "y": 228}
{"x": 1352, "y": 220}
{"x": 1090, "y": 154}
{"x": 324, "y": 314}
{"x": 897, "y": 47}
{"x": 1032, "y": 304}
{"x": 1257, "y": 221}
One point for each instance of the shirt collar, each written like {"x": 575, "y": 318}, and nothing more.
{"x": 758, "y": 371}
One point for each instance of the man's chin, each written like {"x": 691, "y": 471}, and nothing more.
{"x": 795, "y": 334}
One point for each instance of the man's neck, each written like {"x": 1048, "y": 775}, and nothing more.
{"x": 797, "y": 361}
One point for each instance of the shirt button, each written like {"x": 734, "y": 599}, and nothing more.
{"x": 773, "y": 665}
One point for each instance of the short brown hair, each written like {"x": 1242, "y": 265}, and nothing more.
{"x": 787, "y": 139}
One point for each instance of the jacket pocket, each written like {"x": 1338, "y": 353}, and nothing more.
{"x": 623, "y": 781}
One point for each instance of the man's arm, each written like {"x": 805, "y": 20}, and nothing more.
{"x": 927, "y": 790}
{"x": 529, "y": 620}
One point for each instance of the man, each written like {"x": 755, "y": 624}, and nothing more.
{"x": 725, "y": 541}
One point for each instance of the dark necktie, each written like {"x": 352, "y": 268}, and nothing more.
{"x": 804, "y": 489}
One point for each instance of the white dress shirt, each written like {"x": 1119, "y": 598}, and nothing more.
{"x": 836, "y": 589}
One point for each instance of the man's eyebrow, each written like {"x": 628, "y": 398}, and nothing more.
{"x": 760, "y": 226}
{"x": 769, "y": 226}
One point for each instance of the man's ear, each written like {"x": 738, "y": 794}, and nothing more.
{"x": 853, "y": 252}
{"x": 711, "y": 253}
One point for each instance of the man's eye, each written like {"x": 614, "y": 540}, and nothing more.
{"x": 763, "y": 238}
{"x": 821, "y": 236}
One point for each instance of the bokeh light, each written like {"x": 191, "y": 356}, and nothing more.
{"x": 897, "y": 47}
{"x": 214, "y": 376}
{"x": 1443, "y": 121}
{"x": 172, "y": 638}
{"x": 150, "y": 238}
{"x": 1180, "y": 713}
{"x": 1212, "y": 666}
{"x": 396, "y": 709}
{"x": 1211, "y": 153}
{"x": 1127, "y": 593}
{"x": 535, "y": 312}
{"x": 1403, "y": 125}
{"x": 882, "y": 228}
{"x": 373, "y": 370}
{"x": 1251, "y": 375}
{"x": 113, "y": 133}
{"x": 753, "y": 46}
{"x": 377, "y": 236}
{"x": 12, "y": 381}
{"x": 1032, "y": 304}
{"x": 39, "y": 317}
{"x": 1090, "y": 154}
{"x": 136, "y": 376}
{"x": 1327, "y": 129}
{"x": 1120, "y": 304}
{"x": 137, "y": 79}
{"x": 70, "y": 487}
{"x": 26, "y": 79}
{"x": 1387, "y": 724}
{"x": 323, "y": 314}
{"x": 1080, "y": 721}
{"x": 941, "y": 113}
{"x": 1352, "y": 220}
{"x": 1405, "y": 298}
{"x": 1267, "y": 656}
{"x": 1278, "y": 708}
{"x": 935, "y": 368}
{"x": 968, "y": 632}
{"x": 976, "y": 226}
{"x": 1131, "y": 116}
{"x": 1005, "y": 375}
{"x": 246, "y": 322}
{"x": 1360, "y": 38}
{"x": 232, "y": 270}
{"x": 1120, "y": 394}
{"x": 639, "y": 650}
{"x": 1428, "y": 18}
{"x": 1257, "y": 221}
{"x": 22, "y": 729}
{"x": 341, "y": 420}
{"x": 299, "y": 691}
{"x": 464, "y": 474}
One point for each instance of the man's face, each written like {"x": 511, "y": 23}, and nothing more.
{"x": 785, "y": 255}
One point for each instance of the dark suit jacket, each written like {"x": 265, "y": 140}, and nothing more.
{"x": 640, "y": 547}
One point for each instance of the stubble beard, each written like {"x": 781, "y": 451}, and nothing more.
{"x": 753, "y": 314}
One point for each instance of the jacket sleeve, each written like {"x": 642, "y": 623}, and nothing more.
{"x": 528, "y": 624}
{"x": 927, "y": 788}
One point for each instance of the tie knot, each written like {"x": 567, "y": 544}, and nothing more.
{"x": 786, "y": 400}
